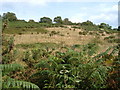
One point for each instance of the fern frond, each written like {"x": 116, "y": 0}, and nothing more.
{"x": 73, "y": 60}
{"x": 103, "y": 53}
{"x": 115, "y": 49}
{"x": 42, "y": 64}
{"x": 19, "y": 84}
{"x": 63, "y": 66}
{"x": 52, "y": 64}
{"x": 6, "y": 68}
{"x": 41, "y": 73}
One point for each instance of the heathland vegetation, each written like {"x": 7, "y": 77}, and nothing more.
{"x": 59, "y": 54}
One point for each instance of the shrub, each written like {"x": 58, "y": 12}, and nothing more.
{"x": 83, "y": 33}
{"x": 109, "y": 37}
{"x": 103, "y": 34}
{"x": 54, "y": 33}
{"x": 62, "y": 35}
{"x": 20, "y": 33}
{"x": 91, "y": 33}
{"x": 114, "y": 40}
{"x": 75, "y": 27}
{"x": 101, "y": 31}
{"x": 68, "y": 33}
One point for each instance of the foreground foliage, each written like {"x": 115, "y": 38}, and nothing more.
{"x": 78, "y": 67}
{"x": 7, "y": 81}
{"x": 71, "y": 69}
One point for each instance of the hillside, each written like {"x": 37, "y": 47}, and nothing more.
{"x": 39, "y": 55}
{"x": 66, "y": 35}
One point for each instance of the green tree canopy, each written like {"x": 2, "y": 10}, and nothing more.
{"x": 118, "y": 27}
{"x": 87, "y": 23}
{"x": 66, "y": 21}
{"x": 9, "y": 16}
{"x": 31, "y": 20}
{"x": 58, "y": 20}
{"x": 105, "y": 26}
{"x": 0, "y": 16}
{"x": 45, "y": 20}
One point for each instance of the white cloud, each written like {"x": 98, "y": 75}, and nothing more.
{"x": 103, "y": 12}
{"x": 109, "y": 15}
{"x": 80, "y": 17}
{"x": 106, "y": 13}
{"x": 110, "y": 9}
{"x": 103, "y": 17}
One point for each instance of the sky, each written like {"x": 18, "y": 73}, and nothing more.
{"x": 97, "y": 11}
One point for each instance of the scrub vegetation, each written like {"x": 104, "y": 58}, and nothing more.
{"x": 60, "y": 55}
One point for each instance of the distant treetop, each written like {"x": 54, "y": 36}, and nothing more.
{"x": 45, "y": 20}
{"x": 9, "y": 16}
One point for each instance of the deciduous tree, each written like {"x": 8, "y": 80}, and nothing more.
{"x": 58, "y": 20}
{"x": 9, "y": 16}
{"x": 66, "y": 21}
{"x": 45, "y": 20}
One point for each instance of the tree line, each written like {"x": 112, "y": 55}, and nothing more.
{"x": 9, "y": 16}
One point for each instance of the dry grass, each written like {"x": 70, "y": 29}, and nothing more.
{"x": 70, "y": 37}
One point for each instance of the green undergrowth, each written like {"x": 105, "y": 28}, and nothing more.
{"x": 37, "y": 45}
{"x": 24, "y": 31}
{"x": 77, "y": 66}
{"x": 112, "y": 39}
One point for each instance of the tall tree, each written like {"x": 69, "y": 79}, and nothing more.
{"x": 9, "y": 16}
{"x": 45, "y": 20}
{"x": 118, "y": 28}
{"x": 31, "y": 20}
{"x": 58, "y": 20}
{"x": 66, "y": 21}
{"x": 87, "y": 23}
{"x": 0, "y": 16}
{"x": 105, "y": 26}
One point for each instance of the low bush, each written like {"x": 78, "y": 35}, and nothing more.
{"x": 83, "y": 33}
{"x": 109, "y": 37}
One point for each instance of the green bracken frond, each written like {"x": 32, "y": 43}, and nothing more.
{"x": 103, "y": 53}
{"x": 42, "y": 64}
{"x": 41, "y": 73}
{"x": 7, "y": 68}
{"x": 11, "y": 83}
